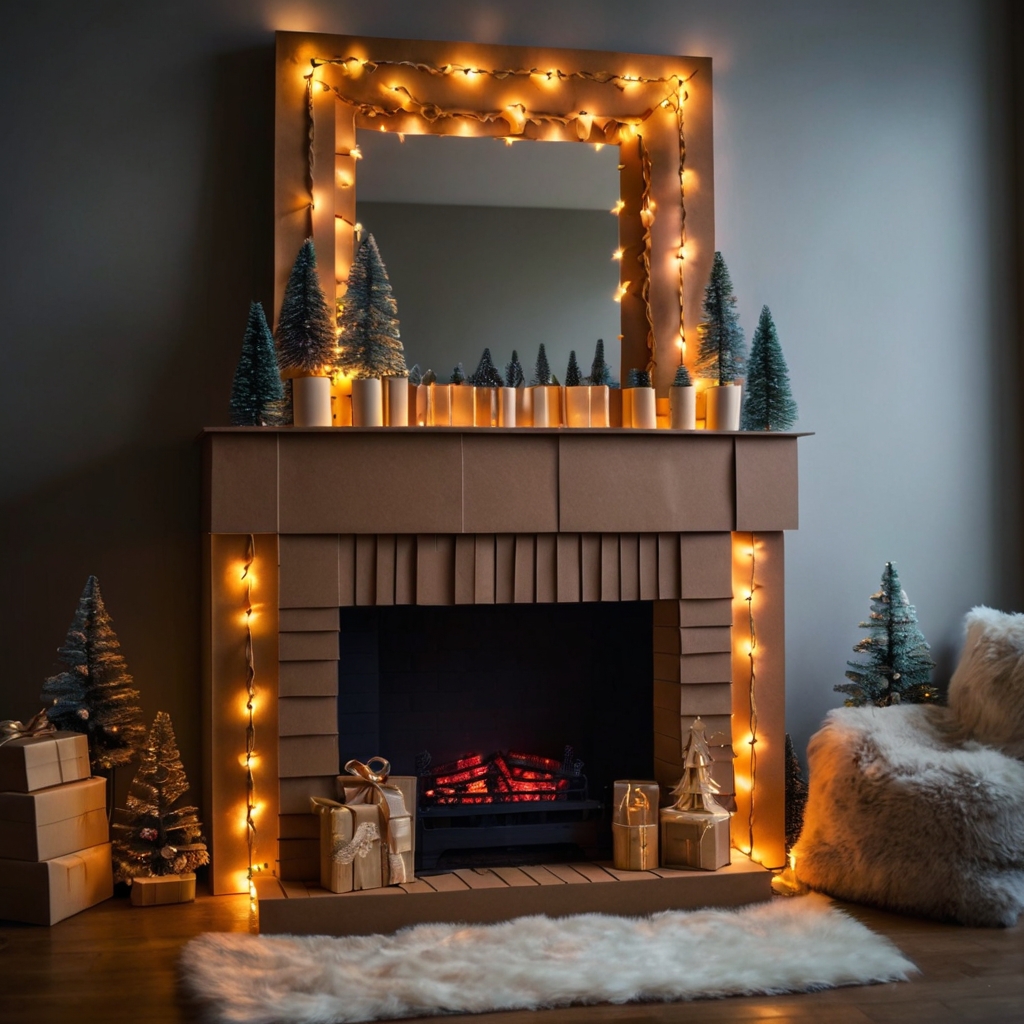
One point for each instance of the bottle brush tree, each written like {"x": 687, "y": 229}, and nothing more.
{"x": 95, "y": 694}
{"x": 514, "y": 377}
{"x": 257, "y": 391}
{"x": 369, "y": 339}
{"x": 486, "y": 374}
{"x": 899, "y": 665}
{"x": 152, "y": 836}
{"x": 721, "y": 348}
{"x": 429, "y": 377}
{"x": 682, "y": 377}
{"x": 599, "y": 372}
{"x": 572, "y": 372}
{"x": 415, "y": 374}
{"x": 767, "y": 400}
{"x": 305, "y": 328}
{"x": 796, "y": 795}
{"x": 458, "y": 375}
{"x": 542, "y": 369}
{"x": 638, "y": 379}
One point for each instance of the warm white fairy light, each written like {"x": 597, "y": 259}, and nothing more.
{"x": 249, "y": 580}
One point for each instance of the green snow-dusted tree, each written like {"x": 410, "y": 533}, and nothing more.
{"x": 682, "y": 378}
{"x": 899, "y": 665}
{"x": 458, "y": 375}
{"x": 305, "y": 328}
{"x": 151, "y": 836}
{"x": 541, "y": 369}
{"x": 721, "y": 352}
{"x": 514, "y": 377}
{"x": 599, "y": 372}
{"x": 638, "y": 379}
{"x": 429, "y": 377}
{"x": 369, "y": 339}
{"x": 94, "y": 694}
{"x": 415, "y": 374}
{"x": 796, "y": 795}
{"x": 257, "y": 391}
{"x": 767, "y": 400}
{"x": 573, "y": 377}
{"x": 486, "y": 374}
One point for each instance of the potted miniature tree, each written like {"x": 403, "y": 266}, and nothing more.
{"x": 515, "y": 380}
{"x": 768, "y": 402}
{"x": 577, "y": 396}
{"x": 600, "y": 379}
{"x": 463, "y": 398}
{"x": 257, "y": 391}
{"x": 487, "y": 381}
{"x": 721, "y": 353}
{"x": 683, "y": 401}
{"x": 543, "y": 414}
{"x": 641, "y": 401}
{"x": 371, "y": 350}
{"x": 306, "y": 342}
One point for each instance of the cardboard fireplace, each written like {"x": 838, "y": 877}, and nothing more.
{"x": 302, "y": 523}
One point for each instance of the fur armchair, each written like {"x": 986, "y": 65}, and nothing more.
{"x": 920, "y": 808}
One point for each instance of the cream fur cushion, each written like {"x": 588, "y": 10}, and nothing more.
{"x": 986, "y": 693}
{"x": 903, "y": 815}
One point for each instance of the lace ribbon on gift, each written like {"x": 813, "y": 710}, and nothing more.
{"x": 376, "y": 772}
{"x": 360, "y": 845}
{"x": 37, "y": 725}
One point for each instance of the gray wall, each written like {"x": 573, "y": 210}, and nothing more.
{"x": 862, "y": 188}
{"x": 466, "y": 277}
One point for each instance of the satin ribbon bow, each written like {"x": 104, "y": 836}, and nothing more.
{"x": 365, "y": 771}
{"x": 398, "y": 828}
{"x": 37, "y": 725}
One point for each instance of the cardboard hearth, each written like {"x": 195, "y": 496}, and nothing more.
{"x": 352, "y": 517}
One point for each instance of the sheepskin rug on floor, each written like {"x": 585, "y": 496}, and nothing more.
{"x": 787, "y": 945}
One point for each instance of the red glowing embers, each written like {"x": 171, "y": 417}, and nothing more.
{"x": 502, "y": 778}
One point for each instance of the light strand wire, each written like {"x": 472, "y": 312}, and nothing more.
{"x": 682, "y": 220}
{"x": 250, "y": 708}
{"x": 644, "y": 259}
{"x": 751, "y": 690}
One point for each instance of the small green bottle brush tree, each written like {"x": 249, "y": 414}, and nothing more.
{"x": 486, "y": 374}
{"x": 573, "y": 378}
{"x": 767, "y": 401}
{"x": 514, "y": 377}
{"x": 257, "y": 393}
{"x": 305, "y": 328}
{"x": 599, "y": 372}
{"x": 541, "y": 369}
{"x": 720, "y": 354}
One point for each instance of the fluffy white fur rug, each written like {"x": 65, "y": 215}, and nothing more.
{"x": 904, "y": 814}
{"x": 536, "y": 962}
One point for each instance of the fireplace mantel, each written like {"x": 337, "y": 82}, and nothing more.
{"x": 445, "y": 516}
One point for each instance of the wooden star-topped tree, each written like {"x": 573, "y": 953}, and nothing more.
{"x": 695, "y": 830}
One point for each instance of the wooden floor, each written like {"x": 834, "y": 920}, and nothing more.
{"x": 116, "y": 963}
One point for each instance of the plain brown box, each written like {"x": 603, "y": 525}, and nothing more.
{"x": 161, "y": 890}
{"x": 37, "y": 762}
{"x": 53, "y": 822}
{"x": 48, "y": 891}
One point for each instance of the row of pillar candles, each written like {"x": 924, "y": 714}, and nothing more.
{"x": 394, "y": 402}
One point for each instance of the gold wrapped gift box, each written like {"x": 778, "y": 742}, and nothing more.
{"x": 694, "y": 839}
{"x": 38, "y": 762}
{"x": 53, "y": 822}
{"x": 51, "y": 890}
{"x": 159, "y": 890}
{"x": 635, "y": 825}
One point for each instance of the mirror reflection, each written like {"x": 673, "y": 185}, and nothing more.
{"x": 494, "y": 245}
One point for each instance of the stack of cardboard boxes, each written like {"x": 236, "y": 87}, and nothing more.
{"x": 54, "y": 837}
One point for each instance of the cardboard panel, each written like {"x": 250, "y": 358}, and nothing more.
{"x": 629, "y": 567}
{"x": 766, "y": 483}
{"x": 308, "y": 646}
{"x": 405, "y": 569}
{"x": 366, "y": 569}
{"x": 713, "y": 612}
{"x": 666, "y": 696}
{"x": 666, "y": 614}
{"x": 295, "y": 792}
{"x": 610, "y": 567}
{"x": 526, "y": 559}
{"x": 385, "y": 569}
{"x": 568, "y": 567}
{"x": 309, "y": 572}
{"x": 240, "y": 492}
{"x": 510, "y": 483}
{"x": 308, "y": 679}
{"x": 668, "y": 773}
{"x": 465, "y": 569}
{"x": 705, "y": 699}
{"x": 346, "y": 570}
{"x": 307, "y": 716}
{"x": 547, "y": 568}
{"x": 504, "y": 568}
{"x": 483, "y": 570}
{"x": 296, "y": 620}
{"x": 666, "y": 640}
{"x": 705, "y": 639}
{"x": 693, "y": 668}
{"x": 435, "y": 569}
{"x": 667, "y": 748}
{"x": 705, "y": 565}
{"x": 668, "y": 565}
{"x": 353, "y": 481}
{"x": 666, "y": 721}
{"x": 619, "y": 483}
{"x": 649, "y": 567}
{"x": 590, "y": 567}
{"x": 307, "y": 755}
{"x": 298, "y": 826}
{"x": 719, "y": 729}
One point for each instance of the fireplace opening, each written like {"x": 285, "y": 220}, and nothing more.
{"x": 550, "y": 703}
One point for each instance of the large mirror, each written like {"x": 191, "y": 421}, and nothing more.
{"x": 497, "y": 245}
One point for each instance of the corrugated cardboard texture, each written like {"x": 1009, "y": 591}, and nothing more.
{"x": 511, "y": 483}
{"x": 766, "y": 484}
{"x": 37, "y": 762}
{"x": 48, "y": 892}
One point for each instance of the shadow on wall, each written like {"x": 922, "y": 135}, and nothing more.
{"x": 133, "y": 518}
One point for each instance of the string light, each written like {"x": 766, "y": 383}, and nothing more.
{"x": 622, "y": 289}
{"x": 680, "y": 102}
{"x": 248, "y": 578}
{"x": 752, "y": 739}
{"x": 647, "y": 220}
{"x": 620, "y": 205}
{"x": 618, "y": 254}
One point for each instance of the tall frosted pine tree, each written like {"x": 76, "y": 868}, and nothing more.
{"x": 305, "y": 328}
{"x": 767, "y": 400}
{"x": 599, "y": 372}
{"x": 486, "y": 374}
{"x": 369, "y": 339}
{"x": 257, "y": 391}
{"x": 542, "y": 368}
{"x": 899, "y": 665}
{"x": 720, "y": 355}
{"x": 95, "y": 694}
{"x": 514, "y": 377}
{"x": 573, "y": 378}
{"x": 152, "y": 836}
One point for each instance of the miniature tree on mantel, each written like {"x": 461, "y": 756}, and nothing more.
{"x": 94, "y": 694}
{"x": 541, "y": 369}
{"x": 573, "y": 377}
{"x": 767, "y": 400}
{"x": 305, "y": 330}
{"x": 151, "y": 835}
{"x": 682, "y": 378}
{"x": 599, "y": 372}
{"x": 257, "y": 391}
{"x": 514, "y": 377}
{"x": 899, "y": 664}
{"x": 486, "y": 374}
{"x": 458, "y": 375}
{"x": 369, "y": 339}
{"x": 721, "y": 352}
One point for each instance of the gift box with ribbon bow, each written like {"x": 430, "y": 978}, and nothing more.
{"x": 35, "y": 756}
{"x": 352, "y": 853}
